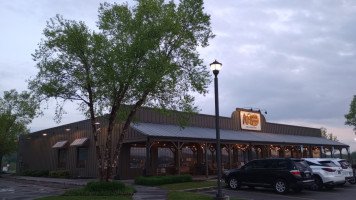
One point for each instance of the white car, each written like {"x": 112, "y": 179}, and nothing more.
{"x": 346, "y": 169}
{"x": 326, "y": 173}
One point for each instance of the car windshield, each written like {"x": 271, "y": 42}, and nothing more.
{"x": 301, "y": 165}
{"x": 328, "y": 163}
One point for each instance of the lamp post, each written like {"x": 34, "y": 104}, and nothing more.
{"x": 216, "y": 67}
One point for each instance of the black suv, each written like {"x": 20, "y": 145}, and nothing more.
{"x": 278, "y": 173}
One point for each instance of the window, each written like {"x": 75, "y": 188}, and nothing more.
{"x": 165, "y": 157}
{"x": 62, "y": 158}
{"x": 82, "y": 157}
{"x": 137, "y": 157}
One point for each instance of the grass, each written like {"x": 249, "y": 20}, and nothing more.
{"x": 179, "y": 195}
{"x": 188, "y": 185}
{"x": 86, "y": 198}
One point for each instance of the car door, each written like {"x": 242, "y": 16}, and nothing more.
{"x": 255, "y": 172}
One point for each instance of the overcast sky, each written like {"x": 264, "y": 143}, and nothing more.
{"x": 295, "y": 59}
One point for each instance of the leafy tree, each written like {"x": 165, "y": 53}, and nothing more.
{"x": 16, "y": 112}
{"x": 329, "y": 136}
{"x": 144, "y": 55}
{"x": 351, "y": 116}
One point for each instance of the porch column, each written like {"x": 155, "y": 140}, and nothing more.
{"x": 178, "y": 146}
{"x": 301, "y": 151}
{"x": 310, "y": 151}
{"x": 206, "y": 160}
{"x": 332, "y": 151}
{"x": 321, "y": 151}
{"x": 349, "y": 155}
{"x": 340, "y": 149}
{"x": 146, "y": 171}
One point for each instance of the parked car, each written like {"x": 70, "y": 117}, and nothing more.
{"x": 281, "y": 174}
{"x": 326, "y": 173}
{"x": 347, "y": 170}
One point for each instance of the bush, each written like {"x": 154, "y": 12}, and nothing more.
{"x": 95, "y": 188}
{"x": 160, "y": 180}
{"x": 35, "y": 173}
{"x": 59, "y": 174}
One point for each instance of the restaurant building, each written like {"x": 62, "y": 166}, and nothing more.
{"x": 158, "y": 145}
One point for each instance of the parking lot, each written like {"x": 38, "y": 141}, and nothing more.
{"x": 347, "y": 191}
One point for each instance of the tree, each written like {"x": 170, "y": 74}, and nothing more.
{"x": 329, "y": 136}
{"x": 16, "y": 112}
{"x": 144, "y": 55}
{"x": 351, "y": 116}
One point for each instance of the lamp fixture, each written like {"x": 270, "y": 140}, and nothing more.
{"x": 215, "y": 67}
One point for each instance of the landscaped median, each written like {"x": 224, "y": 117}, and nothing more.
{"x": 96, "y": 191}
{"x": 180, "y": 186}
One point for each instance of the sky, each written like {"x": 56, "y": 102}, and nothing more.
{"x": 295, "y": 59}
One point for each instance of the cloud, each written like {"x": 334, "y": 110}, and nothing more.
{"x": 296, "y": 59}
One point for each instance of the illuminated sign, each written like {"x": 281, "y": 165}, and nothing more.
{"x": 250, "y": 121}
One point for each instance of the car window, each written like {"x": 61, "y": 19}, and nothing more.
{"x": 301, "y": 164}
{"x": 283, "y": 164}
{"x": 258, "y": 164}
{"x": 313, "y": 164}
{"x": 328, "y": 163}
{"x": 279, "y": 164}
{"x": 344, "y": 163}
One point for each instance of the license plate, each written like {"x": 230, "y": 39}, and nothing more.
{"x": 339, "y": 172}
{"x": 307, "y": 175}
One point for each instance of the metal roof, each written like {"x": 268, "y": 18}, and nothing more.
{"x": 60, "y": 144}
{"x": 175, "y": 131}
{"x": 79, "y": 142}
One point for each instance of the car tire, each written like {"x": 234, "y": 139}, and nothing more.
{"x": 281, "y": 186}
{"x": 234, "y": 183}
{"x": 318, "y": 184}
{"x": 352, "y": 181}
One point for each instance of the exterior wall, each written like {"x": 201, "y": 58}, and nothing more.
{"x": 36, "y": 152}
{"x": 233, "y": 123}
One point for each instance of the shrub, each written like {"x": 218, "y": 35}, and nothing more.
{"x": 59, "y": 174}
{"x": 96, "y": 186}
{"x": 35, "y": 173}
{"x": 160, "y": 180}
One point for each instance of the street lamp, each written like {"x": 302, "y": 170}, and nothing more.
{"x": 216, "y": 67}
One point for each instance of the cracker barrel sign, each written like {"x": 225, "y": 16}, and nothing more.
{"x": 250, "y": 121}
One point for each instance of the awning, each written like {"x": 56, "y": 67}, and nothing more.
{"x": 190, "y": 132}
{"x": 79, "y": 142}
{"x": 60, "y": 144}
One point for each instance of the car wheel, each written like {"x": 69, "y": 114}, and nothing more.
{"x": 318, "y": 184}
{"x": 234, "y": 183}
{"x": 353, "y": 181}
{"x": 281, "y": 186}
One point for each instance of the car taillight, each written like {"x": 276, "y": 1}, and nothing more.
{"x": 295, "y": 172}
{"x": 328, "y": 169}
{"x": 343, "y": 166}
